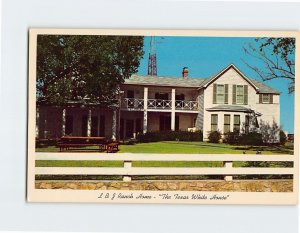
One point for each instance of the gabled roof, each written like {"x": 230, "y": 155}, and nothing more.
{"x": 164, "y": 81}
{"x": 195, "y": 82}
{"x": 263, "y": 88}
{"x": 212, "y": 79}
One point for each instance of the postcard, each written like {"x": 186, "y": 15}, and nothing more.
{"x": 163, "y": 116}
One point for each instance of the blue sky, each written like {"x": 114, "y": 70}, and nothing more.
{"x": 205, "y": 56}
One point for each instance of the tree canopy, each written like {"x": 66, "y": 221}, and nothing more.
{"x": 277, "y": 55}
{"x": 86, "y": 68}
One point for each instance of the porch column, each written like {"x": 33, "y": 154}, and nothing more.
{"x": 63, "y": 128}
{"x": 37, "y": 121}
{"x": 145, "y": 124}
{"x": 89, "y": 123}
{"x": 134, "y": 128}
{"x": 173, "y": 110}
{"x": 114, "y": 125}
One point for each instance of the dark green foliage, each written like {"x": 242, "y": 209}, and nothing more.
{"x": 252, "y": 138}
{"x": 87, "y": 68}
{"x": 170, "y": 136}
{"x": 232, "y": 138}
{"x": 214, "y": 136}
{"x": 269, "y": 164}
{"x": 283, "y": 137}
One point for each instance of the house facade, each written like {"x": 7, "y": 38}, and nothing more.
{"x": 228, "y": 101}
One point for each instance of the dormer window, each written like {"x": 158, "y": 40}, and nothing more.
{"x": 265, "y": 98}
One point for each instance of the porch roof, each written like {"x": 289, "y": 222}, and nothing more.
{"x": 164, "y": 81}
{"x": 230, "y": 108}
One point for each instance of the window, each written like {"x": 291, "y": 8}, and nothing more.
{"x": 161, "y": 96}
{"x": 220, "y": 94}
{"x": 247, "y": 121}
{"x": 179, "y": 97}
{"x": 240, "y": 94}
{"x": 164, "y": 122}
{"x": 84, "y": 122}
{"x": 102, "y": 126}
{"x": 236, "y": 123}
{"x": 214, "y": 122}
{"x": 265, "y": 98}
{"x": 94, "y": 126}
{"x": 226, "y": 124}
{"x": 69, "y": 125}
{"x": 130, "y": 94}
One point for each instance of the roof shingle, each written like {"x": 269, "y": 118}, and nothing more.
{"x": 186, "y": 82}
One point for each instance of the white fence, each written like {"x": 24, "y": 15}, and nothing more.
{"x": 127, "y": 170}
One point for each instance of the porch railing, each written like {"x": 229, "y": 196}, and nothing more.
{"x": 131, "y": 103}
{"x": 159, "y": 104}
{"x": 186, "y": 105}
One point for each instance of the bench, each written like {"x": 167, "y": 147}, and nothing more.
{"x": 67, "y": 143}
{"x": 112, "y": 147}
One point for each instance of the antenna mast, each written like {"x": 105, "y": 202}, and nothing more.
{"x": 152, "y": 68}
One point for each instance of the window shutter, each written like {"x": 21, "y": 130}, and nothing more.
{"x": 215, "y": 94}
{"x": 260, "y": 98}
{"x": 271, "y": 99}
{"x": 246, "y": 94}
{"x": 226, "y": 93}
{"x": 233, "y": 94}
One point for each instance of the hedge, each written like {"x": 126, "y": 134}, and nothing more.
{"x": 170, "y": 136}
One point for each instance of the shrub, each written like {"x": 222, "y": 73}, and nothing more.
{"x": 270, "y": 132}
{"x": 232, "y": 137}
{"x": 253, "y": 139}
{"x": 283, "y": 137}
{"x": 170, "y": 136}
{"x": 214, "y": 136}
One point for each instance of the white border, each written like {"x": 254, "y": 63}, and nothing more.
{"x": 18, "y": 16}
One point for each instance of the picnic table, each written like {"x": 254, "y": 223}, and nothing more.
{"x": 69, "y": 142}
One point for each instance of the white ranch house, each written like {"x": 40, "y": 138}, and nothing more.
{"x": 223, "y": 102}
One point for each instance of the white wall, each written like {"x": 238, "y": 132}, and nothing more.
{"x": 269, "y": 112}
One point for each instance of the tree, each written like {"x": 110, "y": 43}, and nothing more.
{"x": 86, "y": 68}
{"x": 278, "y": 57}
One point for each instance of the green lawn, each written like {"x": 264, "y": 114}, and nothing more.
{"x": 188, "y": 148}
{"x": 91, "y": 163}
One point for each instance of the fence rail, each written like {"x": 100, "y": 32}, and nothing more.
{"x": 127, "y": 170}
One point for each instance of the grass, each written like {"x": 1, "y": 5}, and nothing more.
{"x": 171, "y": 147}
{"x": 168, "y": 148}
{"x": 96, "y": 163}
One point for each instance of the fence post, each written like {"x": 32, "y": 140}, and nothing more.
{"x": 228, "y": 164}
{"x": 127, "y": 164}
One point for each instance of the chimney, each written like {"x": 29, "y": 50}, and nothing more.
{"x": 185, "y": 72}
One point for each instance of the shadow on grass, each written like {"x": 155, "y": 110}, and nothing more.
{"x": 275, "y": 149}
